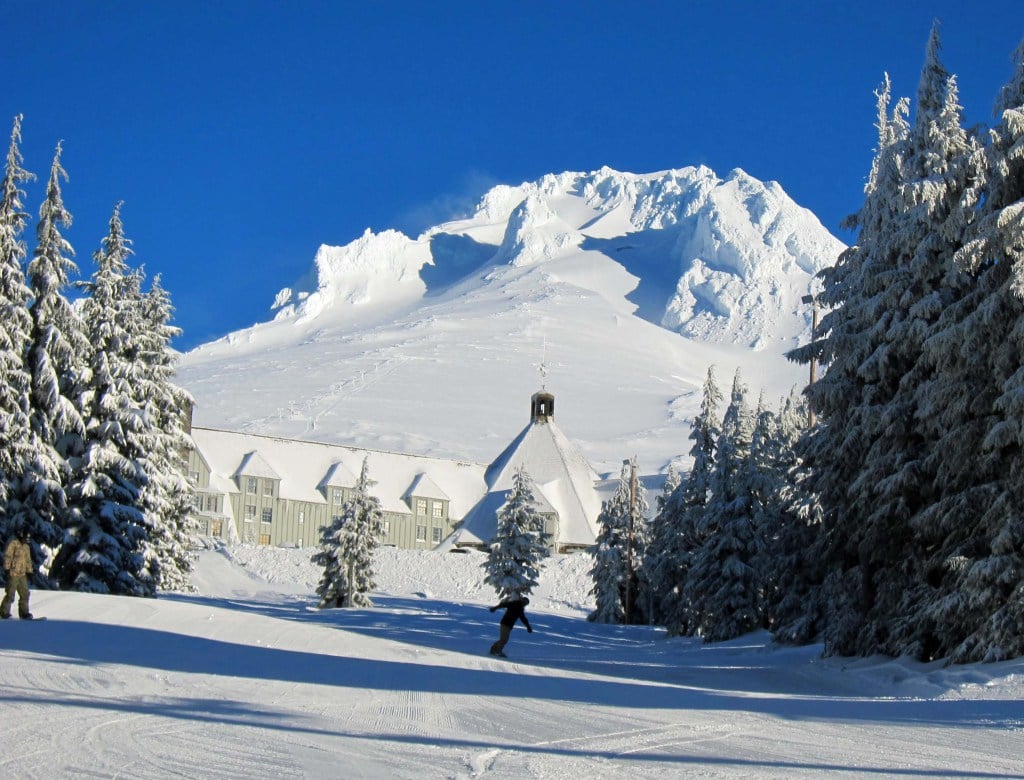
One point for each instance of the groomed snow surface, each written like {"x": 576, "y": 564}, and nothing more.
{"x": 249, "y": 679}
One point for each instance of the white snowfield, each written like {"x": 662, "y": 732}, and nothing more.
{"x": 248, "y": 679}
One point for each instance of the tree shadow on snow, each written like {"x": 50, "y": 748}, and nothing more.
{"x": 648, "y": 680}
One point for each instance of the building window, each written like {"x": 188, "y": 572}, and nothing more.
{"x": 437, "y": 509}
{"x": 211, "y": 503}
{"x": 421, "y": 533}
{"x": 197, "y": 503}
{"x": 337, "y": 496}
{"x": 436, "y": 534}
{"x": 268, "y": 487}
{"x": 302, "y": 517}
{"x": 250, "y": 511}
{"x": 193, "y": 476}
{"x": 267, "y": 516}
{"x": 250, "y": 485}
{"x": 387, "y": 526}
{"x": 421, "y": 506}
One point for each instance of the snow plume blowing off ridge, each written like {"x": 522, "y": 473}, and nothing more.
{"x": 722, "y": 260}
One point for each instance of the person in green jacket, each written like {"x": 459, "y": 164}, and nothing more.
{"x": 17, "y": 567}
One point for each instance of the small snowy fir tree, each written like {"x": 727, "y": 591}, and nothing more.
{"x": 791, "y": 571}
{"x": 514, "y": 556}
{"x": 346, "y": 549}
{"x": 661, "y": 532}
{"x": 614, "y": 557}
{"x": 107, "y": 535}
{"x": 56, "y": 352}
{"x": 15, "y": 442}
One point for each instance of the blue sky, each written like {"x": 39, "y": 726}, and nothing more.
{"x": 242, "y": 135}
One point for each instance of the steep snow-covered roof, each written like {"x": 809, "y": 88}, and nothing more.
{"x": 303, "y": 466}
{"x": 563, "y": 479}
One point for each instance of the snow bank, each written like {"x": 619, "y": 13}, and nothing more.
{"x": 455, "y": 577}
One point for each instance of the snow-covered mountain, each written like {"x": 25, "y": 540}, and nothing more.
{"x": 624, "y": 287}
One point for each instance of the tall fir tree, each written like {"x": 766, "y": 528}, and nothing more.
{"x": 15, "y": 442}
{"x": 899, "y": 468}
{"x": 845, "y": 400}
{"x": 56, "y": 365}
{"x": 106, "y": 540}
{"x": 520, "y": 545}
{"x": 347, "y": 546}
{"x": 166, "y": 498}
{"x": 978, "y": 568}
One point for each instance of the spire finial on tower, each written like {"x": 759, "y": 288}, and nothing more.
{"x": 543, "y": 364}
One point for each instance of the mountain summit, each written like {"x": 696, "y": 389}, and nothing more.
{"x": 626, "y": 287}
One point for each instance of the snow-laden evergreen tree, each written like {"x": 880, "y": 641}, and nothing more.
{"x": 679, "y": 533}
{"x": 166, "y": 498}
{"x": 347, "y": 546}
{"x": 900, "y": 460}
{"x": 519, "y": 546}
{"x": 844, "y": 399}
{"x": 15, "y": 443}
{"x": 977, "y": 567}
{"x": 56, "y": 353}
{"x": 106, "y": 541}
{"x": 722, "y": 586}
{"x": 610, "y": 570}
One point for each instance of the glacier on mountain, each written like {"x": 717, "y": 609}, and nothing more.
{"x": 727, "y": 259}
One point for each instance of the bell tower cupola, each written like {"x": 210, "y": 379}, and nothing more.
{"x": 542, "y": 407}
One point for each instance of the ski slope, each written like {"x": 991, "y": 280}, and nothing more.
{"x": 246, "y": 678}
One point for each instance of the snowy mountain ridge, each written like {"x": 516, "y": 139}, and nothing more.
{"x": 625, "y": 286}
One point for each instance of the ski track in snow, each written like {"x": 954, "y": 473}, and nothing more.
{"x": 247, "y": 678}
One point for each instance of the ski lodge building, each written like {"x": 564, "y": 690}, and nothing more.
{"x": 256, "y": 489}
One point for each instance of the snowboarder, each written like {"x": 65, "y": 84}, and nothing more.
{"x": 17, "y": 566}
{"x": 514, "y": 610}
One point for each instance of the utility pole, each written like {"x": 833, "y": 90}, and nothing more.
{"x": 628, "y": 607}
{"x": 813, "y": 301}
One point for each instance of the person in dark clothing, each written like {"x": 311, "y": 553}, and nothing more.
{"x": 515, "y": 609}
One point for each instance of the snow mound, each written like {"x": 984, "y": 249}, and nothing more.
{"x": 373, "y": 269}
